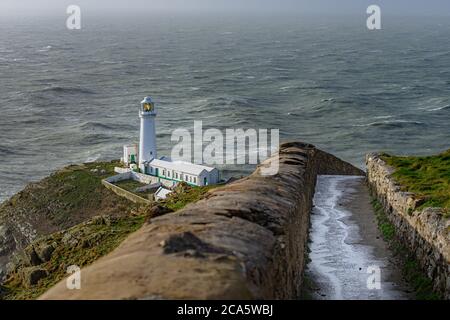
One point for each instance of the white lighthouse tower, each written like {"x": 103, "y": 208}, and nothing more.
{"x": 147, "y": 142}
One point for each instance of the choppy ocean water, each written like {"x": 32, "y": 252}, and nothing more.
{"x": 72, "y": 96}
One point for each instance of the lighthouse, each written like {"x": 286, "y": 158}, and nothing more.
{"x": 147, "y": 142}
{"x": 163, "y": 172}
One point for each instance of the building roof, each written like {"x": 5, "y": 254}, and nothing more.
{"x": 147, "y": 99}
{"x": 162, "y": 193}
{"x": 185, "y": 167}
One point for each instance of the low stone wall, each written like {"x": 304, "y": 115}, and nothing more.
{"x": 425, "y": 232}
{"x": 126, "y": 194}
{"x": 245, "y": 240}
{"x": 136, "y": 176}
{"x": 144, "y": 178}
{"x": 120, "y": 177}
{"x": 150, "y": 181}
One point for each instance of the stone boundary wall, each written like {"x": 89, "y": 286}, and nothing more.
{"x": 150, "y": 181}
{"x": 144, "y": 178}
{"x": 125, "y": 174}
{"x": 245, "y": 240}
{"x": 125, "y": 194}
{"x": 119, "y": 177}
{"x": 425, "y": 232}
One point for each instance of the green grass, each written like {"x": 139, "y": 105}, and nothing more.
{"x": 66, "y": 197}
{"x": 387, "y": 229}
{"x": 61, "y": 204}
{"x": 64, "y": 201}
{"x": 422, "y": 285}
{"x": 97, "y": 239}
{"x": 427, "y": 177}
{"x": 129, "y": 185}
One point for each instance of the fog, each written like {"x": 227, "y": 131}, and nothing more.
{"x": 325, "y": 7}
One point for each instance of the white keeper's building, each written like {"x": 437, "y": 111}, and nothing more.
{"x": 145, "y": 158}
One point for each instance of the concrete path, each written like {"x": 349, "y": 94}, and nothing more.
{"x": 347, "y": 250}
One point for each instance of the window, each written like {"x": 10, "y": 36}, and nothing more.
{"x": 147, "y": 107}
{"x": 195, "y": 180}
{"x": 164, "y": 172}
{"x": 186, "y": 178}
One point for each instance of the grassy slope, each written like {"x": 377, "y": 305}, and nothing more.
{"x": 183, "y": 195}
{"x": 61, "y": 204}
{"x": 82, "y": 189}
{"x": 95, "y": 240}
{"x": 64, "y": 199}
{"x": 427, "y": 177}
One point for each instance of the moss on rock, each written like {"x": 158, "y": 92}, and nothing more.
{"x": 61, "y": 208}
{"x": 422, "y": 285}
{"x": 80, "y": 245}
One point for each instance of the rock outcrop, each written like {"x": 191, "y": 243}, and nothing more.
{"x": 245, "y": 240}
{"x": 426, "y": 232}
{"x": 66, "y": 198}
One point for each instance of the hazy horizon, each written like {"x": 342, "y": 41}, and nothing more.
{"x": 309, "y": 7}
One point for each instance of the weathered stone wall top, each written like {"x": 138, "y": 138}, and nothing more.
{"x": 424, "y": 231}
{"x": 245, "y": 240}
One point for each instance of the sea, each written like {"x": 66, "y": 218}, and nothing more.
{"x": 72, "y": 96}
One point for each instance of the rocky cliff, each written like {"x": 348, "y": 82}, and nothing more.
{"x": 245, "y": 240}
{"x": 66, "y": 198}
{"x": 425, "y": 231}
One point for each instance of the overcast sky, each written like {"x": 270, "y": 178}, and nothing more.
{"x": 326, "y": 7}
